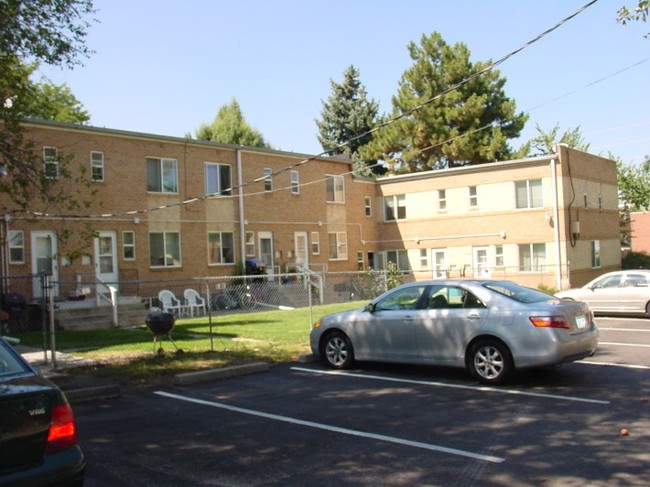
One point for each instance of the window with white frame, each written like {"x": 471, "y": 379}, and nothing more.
{"x": 473, "y": 197}
{"x": 51, "y": 162}
{"x": 600, "y": 201}
{"x": 361, "y": 263}
{"x": 268, "y": 179}
{"x": 249, "y": 244}
{"x": 395, "y": 207}
{"x": 97, "y": 165}
{"x": 165, "y": 249}
{"x": 595, "y": 253}
{"x": 128, "y": 245}
{"x": 162, "y": 175}
{"x": 585, "y": 199}
{"x": 498, "y": 256}
{"x": 400, "y": 258}
{"x": 424, "y": 259}
{"x": 334, "y": 189}
{"x": 295, "y": 182}
{"x": 16, "y": 247}
{"x": 218, "y": 179}
{"x": 367, "y": 204}
{"x": 532, "y": 257}
{"x": 338, "y": 245}
{"x": 529, "y": 194}
{"x": 315, "y": 243}
{"x": 442, "y": 199}
{"x": 221, "y": 248}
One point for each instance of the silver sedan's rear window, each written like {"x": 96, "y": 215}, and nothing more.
{"x": 518, "y": 293}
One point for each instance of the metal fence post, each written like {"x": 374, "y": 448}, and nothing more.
{"x": 52, "y": 321}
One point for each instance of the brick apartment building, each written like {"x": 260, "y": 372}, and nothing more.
{"x": 166, "y": 207}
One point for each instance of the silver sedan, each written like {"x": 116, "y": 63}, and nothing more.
{"x": 489, "y": 327}
{"x": 615, "y": 292}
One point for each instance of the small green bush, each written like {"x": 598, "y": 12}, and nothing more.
{"x": 636, "y": 260}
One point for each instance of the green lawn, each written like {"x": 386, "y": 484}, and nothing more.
{"x": 128, "y": 355}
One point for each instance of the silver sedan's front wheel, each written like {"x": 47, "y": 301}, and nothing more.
{"x": 490, "y": 362}
{"x": 337, "y": 350}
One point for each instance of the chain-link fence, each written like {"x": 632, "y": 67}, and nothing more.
{"x": 122, "y": 319}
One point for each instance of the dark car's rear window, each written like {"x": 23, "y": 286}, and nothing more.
{"x": 517, "y": 292}
{"x": 10, "y": 363}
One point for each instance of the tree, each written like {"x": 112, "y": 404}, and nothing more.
{"x": 346, "y": 121}
{"x": 545, "y": 142}
{"x": 448, "y": 112}
{"x": 56, "y": 102}
{"x": 48, "y": 31}
{"x": 634, "y": 185}
{"x": 638, "y": 13}
{"x": 230, "y": 127}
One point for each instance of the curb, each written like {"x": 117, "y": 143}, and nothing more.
{"x": 87, "y": 394}
{"x": 189, "y": 378}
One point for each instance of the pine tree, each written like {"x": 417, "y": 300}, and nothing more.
{"x": 445, "y": 113}
{"x": 346, "y": 120}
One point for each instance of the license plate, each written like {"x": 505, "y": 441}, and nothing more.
{"x": 581, "y": 321}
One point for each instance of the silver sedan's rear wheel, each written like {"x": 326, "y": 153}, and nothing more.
{"x": 337, "y": 350}
{"x": 490, "y": 362}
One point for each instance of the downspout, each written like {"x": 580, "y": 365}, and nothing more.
{"x": 556, "y": 226}
{"x": 242, "y": 221}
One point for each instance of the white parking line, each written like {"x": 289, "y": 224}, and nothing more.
{"x": 612, "y": 364}
{"x": 454, "y": 386}
{"x": 624, "y": 344}
{"x": 335, "y": 429}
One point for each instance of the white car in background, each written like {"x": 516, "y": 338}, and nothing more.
{"x": 616, "y": 292}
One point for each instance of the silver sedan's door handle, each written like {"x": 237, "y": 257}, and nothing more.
{"x": 474, "y": 316}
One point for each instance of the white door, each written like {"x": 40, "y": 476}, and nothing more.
{"x": 266, "y": 250}
{"x": 44, "y": 260}
{"x": 106, "y": 257}
{"x": 480, "y": 264}
{"x": 439, "y": 258}
{"x": 300, "y": 248}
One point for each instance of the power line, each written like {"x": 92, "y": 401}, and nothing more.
{"x": 381, "y": 126}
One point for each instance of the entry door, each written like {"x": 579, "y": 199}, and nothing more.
{"x": 481, "y": 267}
{"x": 439, "y": 258}
{"x": 300, "y": 248}
{"x": 106, "y": 257}
{"x": 266, "y": 250}
{"x": 44, "y": 260}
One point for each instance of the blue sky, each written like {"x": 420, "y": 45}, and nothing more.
{"x": 165, "y": 66}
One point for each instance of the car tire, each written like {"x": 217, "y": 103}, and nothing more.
{"x": 490, "y": 361}
{"x": 337, "y": 351}
{"x": 647, "y": 310}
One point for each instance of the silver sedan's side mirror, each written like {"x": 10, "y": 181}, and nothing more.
{"x": 370, "y": 307}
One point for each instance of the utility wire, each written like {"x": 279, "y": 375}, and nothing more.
{"x": 395, "y": 119}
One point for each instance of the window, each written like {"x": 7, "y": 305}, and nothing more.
{"x": 295, "y": 182}
{"x": 585, "y": 200}
{"x": 165, "y": 249}
{"x": 498, "y": 256}
{"x": 529, "y": 194}
{"x": 97, "y": 165}
{"x": 473, "y": 197}
{"x": 51, "y": 162}
{"x": 268, "y": 179}
{"x": 162, "y": 175}
{"x": 360, "y": 261}
{"x": 221, "y": 249}
{"x": 395, "y": 207}
{"x": 367, "y": 203}
{"x": 315, "y": 243}
{"x": 532, "y": 257}
{"x": 400, "y": 258}
{"x": 338, "y": 243}
{"x": 128, "y": 245}
{"x": 250, "y": 244}
{"x": 424, "y": 259}
{"x": 595, "y": 253}
{"x": 600, "y": 201}
{"x": 16, "y": 247}
{"x": 334, "y": 189}
{"x": 218, "y": 179}
{"x": 442, "y": 199}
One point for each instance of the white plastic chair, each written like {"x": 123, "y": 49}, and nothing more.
{"x": 194, "y": 301}
{"x": 170, "y": 303}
